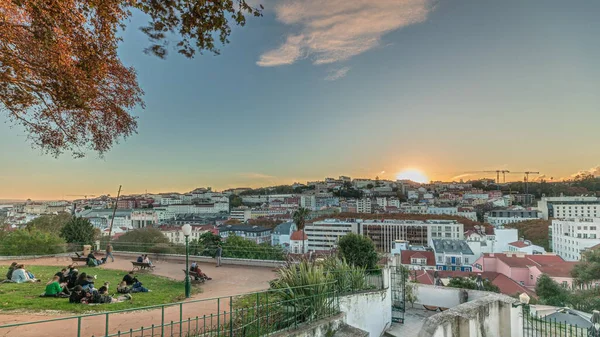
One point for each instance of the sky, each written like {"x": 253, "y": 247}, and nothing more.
{"x": 362, "y": 88}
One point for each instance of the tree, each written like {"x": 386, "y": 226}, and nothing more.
{"x": 369, "y": 186}
{"x": 358, "y": 250}
{"x": 30, "y": 242}
{"x": 299, "y": 218}
{"x": 78, "y": 230}
{"x": 588, "y": 269}
{"x": 62, "y": 79}
{"x": 49, "y": 223}
{"x": 550, "y": 292}
{"x": 209, "y": 241}
{"x": 235, "y": 201}
{"x": 140, "y": 240}
{"x": 410, "y": 293}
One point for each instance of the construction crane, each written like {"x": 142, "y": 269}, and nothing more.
{"x": 504, "y": 172}
{"x": 526, "y": 179}
{"x": 80, "y": 195}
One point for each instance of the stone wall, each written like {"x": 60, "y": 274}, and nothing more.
{"x": 369, "y": 311}
{"x": 490, "y": 316}
{"x": 202, "y": 259}
{"x": 444, "y": 297}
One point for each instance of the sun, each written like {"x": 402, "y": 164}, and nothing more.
{"x": 414, "y": 175}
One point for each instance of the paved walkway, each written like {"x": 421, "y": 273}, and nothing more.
{"x": 413, "y": 321}
{"x": 227, "y": 281}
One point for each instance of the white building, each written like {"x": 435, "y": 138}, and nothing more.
{"x": 363, "y": 205}
{"x": 298, "y": 242}
{"x": 455, "y": 211}
{"x": 281, "y": 234}
{"x": 324, "y": 235}
{"x": 170, "y": 201}
{"x": 308, "y": 201}
{"x": 573, "y": 205}
{"x": 143, "y": 218}
{"x": 241, "y": 214}
{"x": 175, "y": 234}
{"x": 507, "y": 216}
{"x": 163, "y": 214}
{"x": 525, "y": 246}
{"x": 571, "y": 236}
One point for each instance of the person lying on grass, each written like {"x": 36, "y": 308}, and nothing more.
{"x": 137, "y": 287}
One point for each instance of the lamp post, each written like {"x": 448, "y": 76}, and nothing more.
{"x": 187, "y": 231}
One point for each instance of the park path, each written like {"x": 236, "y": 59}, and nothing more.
{"x": 227, "y": 281}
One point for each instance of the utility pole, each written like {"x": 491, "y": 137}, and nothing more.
{"x": 113, "y": 214}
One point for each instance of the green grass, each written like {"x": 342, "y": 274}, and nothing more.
{"x": 25, "y": 297}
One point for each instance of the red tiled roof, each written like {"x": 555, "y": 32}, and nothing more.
{"x": 519, "y": 260}
{"x": 505, "y": 284}
{"x": 298, "y": 236}
{"x": 407, "y": 255}
{"x": 558, "y": 270}
{"x": 519, "y": 244}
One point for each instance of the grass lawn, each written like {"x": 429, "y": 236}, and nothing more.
{"x": 25, "y": 297}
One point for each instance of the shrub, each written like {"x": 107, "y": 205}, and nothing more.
{"x": 34, "y": 242}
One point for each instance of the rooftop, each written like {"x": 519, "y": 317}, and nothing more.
{"x": 520, "y": 244}
{"x": 284, "y": 228}
{"x": 299, "y": 236}
{"x": 451, "y": 246}
{"x": 407, "y": 255}
{"x": 242, "y": 228}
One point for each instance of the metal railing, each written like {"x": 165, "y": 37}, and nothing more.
{"x": 253, "y": 314}
{"x": 535, "y": 325}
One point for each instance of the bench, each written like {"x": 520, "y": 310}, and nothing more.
{"x": 76, "y": 259}
{"x": 141, "y": 265}
{"x": 194, "y": 275}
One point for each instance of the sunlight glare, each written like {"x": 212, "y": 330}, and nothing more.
{"x": 414, "y": 175}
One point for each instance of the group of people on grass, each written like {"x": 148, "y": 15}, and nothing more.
{"x": 79, "y": 287}
{"x": 18, "y": 274}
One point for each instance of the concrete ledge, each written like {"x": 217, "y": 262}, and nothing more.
{"x": 33, "y": 257}
{"x": 203, "y": 259}
{"x": 322, "y": 328}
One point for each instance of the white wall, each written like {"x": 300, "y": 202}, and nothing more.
{"x": 369, "y": 311}
{"x": 444, "y": 297}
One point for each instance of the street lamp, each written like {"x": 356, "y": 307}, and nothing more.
{"x": 187, "y": 231}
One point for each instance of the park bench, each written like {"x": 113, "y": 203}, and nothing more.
{"x": 141, "y": 265}
{"x": 194, "y": 275}
{"x": 76, "y": 259}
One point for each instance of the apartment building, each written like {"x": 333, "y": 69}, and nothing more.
{"x": 364, "y": 205}
{"x": 384, "y": 233}
{"x": 571, "y": 236}
{"x": 507, "y": 216}
{"x": 324, "y": 235}
{"x": 454, "y": 255}
{"x": 566, "y": 205}
{"x": 252, "y": 233}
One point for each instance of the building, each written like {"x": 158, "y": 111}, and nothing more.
{"x": 383, "y": 233}
{"x": 101, "y": 218}
{"x": 298, "y": 242}
{"x": 525, "y": 269}
{"x": 452, "y": 254}
{"x": 324, "y": 235}
{"x": 281, "y": 234}
{"x": 547, "y": 206}
{"x": 364, "y": 205}
{"x": 526, "y": 247}
{"x": 143, "y": 218}
{"x": 241, "y": 214}
{"x": 308, "y": 201}
{"x": 417, "y": 260}
{"x": 175, "y": 233}
{"x": 572, "y": 236}
{"x": 252, "y": 233}
{"x": 455, "y": 211}
{"x": 507, "y": 216}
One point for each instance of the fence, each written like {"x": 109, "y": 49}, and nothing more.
{"x": 535, "y": 325}
{"x": 254, "y": 314}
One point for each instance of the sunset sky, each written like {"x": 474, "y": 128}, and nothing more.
{"x": 362, "y": 88}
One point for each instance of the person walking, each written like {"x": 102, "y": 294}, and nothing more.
{"x": 109, "y": 249}
{"x": 218, "y": 255}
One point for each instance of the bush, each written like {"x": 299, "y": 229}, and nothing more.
{"x": 78, "y": 230}
{"x": 34, "y": 242}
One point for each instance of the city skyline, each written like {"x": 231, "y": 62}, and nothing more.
{"x": 441, "y": 87}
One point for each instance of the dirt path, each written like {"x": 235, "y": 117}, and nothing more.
{"x": 227, "y": 281}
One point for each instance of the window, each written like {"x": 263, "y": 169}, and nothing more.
{"x": 522, "y": 283}
{"x": 565, "y": 284}
{"x": 531, "y": 277}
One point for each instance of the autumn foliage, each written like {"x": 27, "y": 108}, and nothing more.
{"x": 61, "y": 78}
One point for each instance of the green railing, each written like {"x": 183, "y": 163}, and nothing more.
{"x": 539, "y": 326}
{"x": 250, "y": 315}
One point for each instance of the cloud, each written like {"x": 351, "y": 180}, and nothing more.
{"x": 594, "y": 170}
{"x": 462, "y": 176}
{"x": 254, "y": 175}
{"x": 336, "y": 74}
{"x": 336, "y": 30}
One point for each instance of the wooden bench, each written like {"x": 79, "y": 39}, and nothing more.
{"x": 141, "y": 265}
{"x": 194, "y": 275}
{"x": 76, "y": 259}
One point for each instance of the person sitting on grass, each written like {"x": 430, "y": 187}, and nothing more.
{"x": 85, "y": 281}
{"x": 62, "y": 275}
{"x": 130, "y": 279}
{"x": 76, "y": 295}
{"x": 196, "y": 269}
{"x": 54, "y": 289}
{"x": 20, "y": 275}
{"x": 97, "y": 298}
{"x": 72, "y": 281}
{"x": 12, "y": 268}
{"x": 137, "y": 287}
